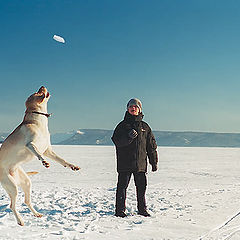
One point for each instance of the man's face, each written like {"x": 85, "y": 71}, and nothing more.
{"x": 133, "y": 110}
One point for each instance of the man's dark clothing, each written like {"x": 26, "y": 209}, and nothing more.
{"x": 132, "y": 153}
{"x": 140, "y": 183}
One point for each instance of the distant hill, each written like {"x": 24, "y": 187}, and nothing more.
{"x": 197, "y": 139}
{"x": 163, "y": 138}
{"x": 89, "y": 137}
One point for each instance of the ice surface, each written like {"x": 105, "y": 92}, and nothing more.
{"x": 192, "y": 196}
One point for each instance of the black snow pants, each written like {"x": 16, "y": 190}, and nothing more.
{"x": 140, "y": 183}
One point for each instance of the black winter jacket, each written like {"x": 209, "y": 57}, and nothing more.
{"x": 132, "y": 153}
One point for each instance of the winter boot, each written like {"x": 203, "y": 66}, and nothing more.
{"x": 121, "y": 214}
{"x": 144, "y": 213}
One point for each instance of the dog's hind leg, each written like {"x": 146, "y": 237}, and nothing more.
{"x": 26, "y": 185}
{"x": 10, "y": 186}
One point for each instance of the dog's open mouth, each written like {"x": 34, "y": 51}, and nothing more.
{"x": 43, "y": 90}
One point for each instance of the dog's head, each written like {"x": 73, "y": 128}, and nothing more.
{"x": 38, "y": 100}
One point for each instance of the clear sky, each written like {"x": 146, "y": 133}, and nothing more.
{"x": 181, "y": 58}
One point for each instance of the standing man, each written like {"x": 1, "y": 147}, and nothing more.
{"x": 134, "y": 142}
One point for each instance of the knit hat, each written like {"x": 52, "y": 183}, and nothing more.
{"x": 135, "y": 102}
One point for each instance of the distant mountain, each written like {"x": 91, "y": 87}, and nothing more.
{"x": 89, "y": 137}
{"x": 197, "y": 139}
{"x": 59, "y": 137}
{"x": 163, "y": 138}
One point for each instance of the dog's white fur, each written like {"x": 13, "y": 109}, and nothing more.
{"x": 31, "y": 138}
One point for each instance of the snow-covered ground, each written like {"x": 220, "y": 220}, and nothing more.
{"x": 192, "y": 196}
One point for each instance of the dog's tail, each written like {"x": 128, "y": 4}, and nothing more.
{"x": 31, "y": 173}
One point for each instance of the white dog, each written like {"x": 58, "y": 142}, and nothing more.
{"x": 31, "y": 138}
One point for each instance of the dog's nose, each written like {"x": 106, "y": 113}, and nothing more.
{"x": 42, "y": 89}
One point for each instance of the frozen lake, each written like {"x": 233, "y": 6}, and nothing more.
{"x": 193, "y": 194}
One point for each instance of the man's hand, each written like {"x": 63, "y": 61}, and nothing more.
{"x": 133, "y": 134}
{"x": 154, "y": 168}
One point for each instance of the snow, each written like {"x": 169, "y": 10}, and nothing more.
{"x": 194, "y": 195}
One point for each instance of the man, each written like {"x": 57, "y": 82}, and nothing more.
{"x": 134, "y": 142}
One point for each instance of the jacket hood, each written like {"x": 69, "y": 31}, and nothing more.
{"x": 131, "y": 118}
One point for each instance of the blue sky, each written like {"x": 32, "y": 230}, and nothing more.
{"x": 181, "y": 58}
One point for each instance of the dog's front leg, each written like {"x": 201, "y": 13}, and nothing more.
{"x": 51, "y": 154}
{"x": 35, "y": 151}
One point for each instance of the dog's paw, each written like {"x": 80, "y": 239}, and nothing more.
{"x": 21, "y": 222}
{"x": 39, "y": 215}
{"x": 45, "y": 164}
{"x": 73, "y": 167}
